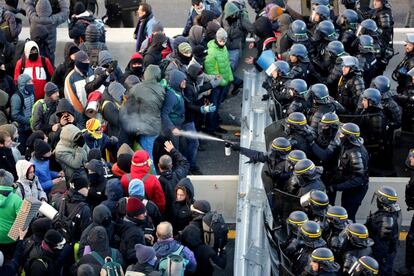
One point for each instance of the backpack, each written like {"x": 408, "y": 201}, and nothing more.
{"x": 111, "y": 267}
{"x": 44, "y": 65}
{"x": 44, "y": 109}
{"x": 215, "y": 230}
{"x": 173, "y": 264}
{"x": 69, "y": 225}
{"x": 163, "y": 66}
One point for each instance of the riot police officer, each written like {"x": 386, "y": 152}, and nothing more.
{"x": 400, "y": 72}
{"x": 366, "y": 54}
{"x": 307, "y": 177}
{"x": 293, "y": 157}
{"x": 334, "y": 51}
{"x": 299, "y": 250}
{"x": 319, "y": 14}
{"x": 406, "y": 99}
{"x": 384, "y": 228}
{"x": 337, "y": 219}
{"x": 352, "y": 175}
{"x": 382, "y": 15}
{"x": 297, "y": 91}
{"x": 299, "y": 133}
{"x": 364, "y": 266}
{"x": 321, "y": 262}
{"x": 351, "y": 84}
{"x": 293, "y": 223}
{"x": 324, "y": 33}
{"x": 327, "y": 129}
{"x": 322, "y": 104}
{"x": 315, "y": 204}
{"x": 351, "y": 244}
{"x": 299, "y": 62}
{"x": 347, "y": 23}
{"x": 297, "y": 33}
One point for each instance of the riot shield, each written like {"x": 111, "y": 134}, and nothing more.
{"x": 284, "y": 204}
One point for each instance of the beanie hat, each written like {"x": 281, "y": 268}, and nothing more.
{"x": 4, "y": 98}
{"x": 124, "y": 162}
{"x": 135, "y": 207}
{"x": 144, "y": 253}
{"x": 199, "y": 51}
{"x": 73, "y": 49}
{"x": 53, "y": 238}
{"x": 275, "y": 11}
{"x": 41, "y": 148}
{"x": 136, "y": 187}
{"x": 201, "y": 206}
{"x": 130, "y": 81}
{"x": 221, "y": 34}
{"x": 95, "y": 166}
{"x": 141, "y": 158}
{"x": 137, "y": 57}
{"x": 81, "y": 56}
{"x": 117, "y": 91}
{"x": 157, "y": 27}
{"x": 85, "y": 269}
{"x": 79, "y": 8}
{"x": 177, "y": 41}
{"x": 40, "y": 226}
{"x": 92, "y": 125}
{"x": 211, "y": 29}
{"x": 185, "y": 48}
{"x": 94, "y": 154}
{"x": 6, "y": 178}
{"x": 78, "y": 182}
{"x": 51, "y": 88}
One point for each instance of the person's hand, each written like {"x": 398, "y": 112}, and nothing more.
{"x": 55, "y": 127}
{"x": 112, "y": 66}
{"x": 235, "y": 146}
{"x": 56, "y": 181}
{"x": 149, "y": 238}
{"x": 71, "y": 119}
{"x": 249, "y": 60}
{"x": 251, "y": 45}
{"x": 265, "y": 97}
{"x": 43, "y": 200}
{"x": 61, "y": 174}
{"x": 168, "y": 146}
{"x": 22, "y": 233}
{"x": 113, "y": 140}
{"x": 207, "y": 108}
{"x": 175, "y": 131}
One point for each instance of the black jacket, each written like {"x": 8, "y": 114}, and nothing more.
{"x": 350, "y": 88}
{"x": 110, "y": 112}
{"x": 64, "y": 68}
{"x": 130, "y": 235}
{"x": 7, "y": 161}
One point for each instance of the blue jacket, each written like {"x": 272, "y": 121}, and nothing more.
{"x": 44, "y": 173}
{"x": 165, "y": 247}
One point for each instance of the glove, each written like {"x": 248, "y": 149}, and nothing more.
{"x": 113, "y": 140}
{"x": 112, "y": 66}
{"x": 215, "y": 82}
{"x": 235, "y": 147}
{"x": 207, "y": 108}
{"x": 265, "y": 97}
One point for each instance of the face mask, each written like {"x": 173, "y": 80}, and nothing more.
{"x": 93, "y": 178}
{"x": 82, "y": 67}
{"x": 2, "y": 73}
{"x": 80, "y": 142}
{"x": 184, "y": 59}
{"x": 33, "y": 56}
{"x": 29, "y": 88}
{"x": 137, "y": 70}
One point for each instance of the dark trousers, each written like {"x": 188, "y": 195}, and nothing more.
{"x": 217, "y": 96}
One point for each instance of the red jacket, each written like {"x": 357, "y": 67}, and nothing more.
{"x": 34, "y": 69}
{"x": 153, "y": 189}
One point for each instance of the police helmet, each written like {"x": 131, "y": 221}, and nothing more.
{"x": 315, "y": 202}
{"x": 330, "y": 118}
{"x": 295, "y": 156}
{"x": 327, "y": 30}
{"x": 296, "y": 119}
{"x": 373, "y": 96}
{"x": 366, "y": 44}
{"x": 311, "y": 234}
{"x": 320, "y": 93}
{"x": 350, "y": 132}
{"x": 282, "y": 67}
{"x": 304, "y": 167}
{"x": 298, "y": 31}
{"x": 335, "y": 48}
{"x": 357, "y": 234}
{"x": 368, "y": 26}
{"x": 348, "y": 19}
{"x": 316, "y": 3}
{"x": 366, "y": 266}
{"x": 295, "y": 220}
{"x": 281, "y": 145}
{"x": 350, "y": 61}
{"x": 299, "y": 87}
{"x": 337, "y": 216}
{"x": 386, "y": 195}
{"x": 298, "y": 50}
{"x": 382, "y": 83}
{"x": 325, "y": 258}
{"x": 410, "y": 38}
{"x": 323, "y": 11}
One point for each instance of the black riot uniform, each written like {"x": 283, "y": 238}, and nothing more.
{"x": 324, "y": 33}
{"x": 350, "y": 85}
{"x": 332, "y": 62}
{"x": 298, "y": 132}
{"x": 406, "y": 99}
{"x": 351, "y": 244}
{"x": 337, "y": 219}
{"x": 347, "y": 23}
{"x": 307, "y": 177}
{"x": 364, "y": 266}
{"x": 297, "y": 33}
{"x": 299, "y": 62}
{"x": 352, "y": 175}
{"x": 293, "y": 157}
{"x": 319, "y": 14}
{"x": 297, "y": 90}
{"x": 400, "y": 72}
{"x": 293, "y": 223}
{"x": 299, "y": 250}
{"x": 326, "y": 263}
{"x": 315, "y": 204}
{"x": 366, "y": 55}
{"x": 384, "y": 228}
{"x": 385, "y": 21}
{"x": 322, "y": 104}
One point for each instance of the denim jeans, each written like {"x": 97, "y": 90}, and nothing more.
{"x": 217, "y": 96}
{"x": 147, "y": 143}
{"x": 234, "y": 56}
{"x": 191, "y": 146}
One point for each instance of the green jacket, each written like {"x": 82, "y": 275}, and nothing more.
{"x": 10, "y": 204}
{"x": 217, "y": 63}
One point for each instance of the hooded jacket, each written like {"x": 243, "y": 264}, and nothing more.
{"x": 75, "y": 88}
{"x": 237, "y": 28}
{"x": 22, "y": 111}
{"x": 13, "y": 23}
{"x": 173, "y": 111}
{"x": 41, "y": 114}
{"x": 142, "y": 111}
{"x": 32, "y": 188}
{"x": 165, "y": 247}
{"x": 152, "y": 186}
{"x": 41, "y": 15}
{"x": 192, "y": 14}
{"x": 67, "y": 153}
{"x": 34, "y": 69}
{"x": 10, "y": 204}
{"x": 44, "y": 173}
{"x": 114, "y": 193}
{"x": 217, "y": 63}
{"x": 92, "y": 44}
{"x": 180, "y": 214}
{"x": 64, "y": 68}
{"x": 196, "y": 36}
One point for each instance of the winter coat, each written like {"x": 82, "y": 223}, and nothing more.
{"x": 32, "y": 188}
{"x": 192, "y": 14}
{"x": 130, "y": 234}
{"x": 64, "y": 68}
{"x": 92, "y": 46}
{"x": 110, "y": 112}
{"x": 169, "y": 179}
{"x": 44, "y": 174}
{"x": 143, "y": 29}
{"x": 136, "y": 189}
{"x": 145, "y": 268}
{"x": 152, "y": 186}
{"x": 41, "y": 15}
{"x": 14, "y": 24}
{"x": 142, "y": 111}
{"x": 75, "y": 90}
{"x": 180, "y": 213}
{"x": 42, "y": 113}
{"x": 22, "y": 111}
{"x": 173, "y": 110}
{"x": 237, "y": 30}
{"x": 102, "y": 144}
{"x": 114, "y": 193}
{"x": 34, "y": 69}
{"x": 217, "y": 63}
{"x": 70, "y": 156}
{"x": 43, "y": 261}
{"x": 165, "y": 247}
{"x": 10, "y": 204}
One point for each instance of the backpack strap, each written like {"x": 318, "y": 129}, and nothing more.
{"x": 22, "y": 104}
{"x": 114, "y": 255}
{"x": 145, "y": 177}
{"x": 21, "y": 189}
{"x": 178, "y": 251}
{"x": 44, "y": 65}
{"x": 98, "y": 258}
{"x": 73, "y": 214}
{"x": 128, "y": 176}
{"x": 145, "y": 201}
